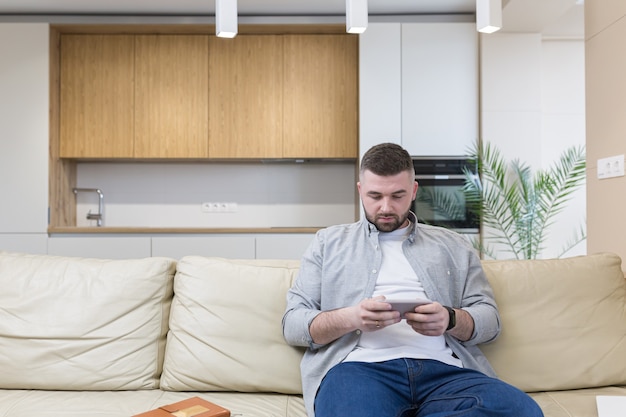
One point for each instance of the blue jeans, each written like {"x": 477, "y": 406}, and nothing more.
{"x": 417, "y": 388}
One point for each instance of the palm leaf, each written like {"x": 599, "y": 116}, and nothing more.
{"x": 516, "y": 205}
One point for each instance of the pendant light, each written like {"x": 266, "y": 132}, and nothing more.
{"x": 488, "y": 15}
{"x": 356, "y": 16}
{"x": 226, "y": 18}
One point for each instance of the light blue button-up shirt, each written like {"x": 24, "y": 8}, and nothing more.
{"x": 340, "y": 268}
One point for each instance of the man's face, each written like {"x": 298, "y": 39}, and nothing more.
{"x": 387, "y": 199}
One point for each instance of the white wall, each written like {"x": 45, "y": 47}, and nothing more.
{"x": 563, "y": 105}
{"x": 24, "y": 74}
{"x": 533, "y": 108}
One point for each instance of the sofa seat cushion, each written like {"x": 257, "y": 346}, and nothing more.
{"x": 83, "y": 324}
{"x": 225, "y": 327}
{"x": 563, "y": 322}
{"x": 573, "y": 403}
{"x": 21, "y": 403}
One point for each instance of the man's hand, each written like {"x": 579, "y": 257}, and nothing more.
{"x": 375, "y": 313}
{"x": 369, "y": 315}
{"x": 432, "y": 320}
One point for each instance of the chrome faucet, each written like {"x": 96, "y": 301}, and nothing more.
{"x": 94, "y": 216}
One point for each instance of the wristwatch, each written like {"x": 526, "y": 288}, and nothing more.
{"x": 452, "y": 320}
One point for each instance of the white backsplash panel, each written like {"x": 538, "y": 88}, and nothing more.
{"x": 272, "y": 194}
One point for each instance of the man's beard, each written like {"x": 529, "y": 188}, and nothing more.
{"x": 387, "y": 226}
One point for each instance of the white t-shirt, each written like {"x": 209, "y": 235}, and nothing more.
{"x": 397, "y": 279}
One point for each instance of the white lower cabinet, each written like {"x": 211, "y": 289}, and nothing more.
{"x": 264, "y": 246}
{"x": 223, "y": 246}
{"x": 282, "y": 246}
{"x": 233, "y": 246}
{"x": 105, "y": 247}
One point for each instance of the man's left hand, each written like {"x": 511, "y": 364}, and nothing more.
{"x": 432, "y": 320}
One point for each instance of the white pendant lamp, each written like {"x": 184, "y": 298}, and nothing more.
{"x": 488, "y": 15}
{"x": 356, "y": 16}
{"x": 226, "y": 18}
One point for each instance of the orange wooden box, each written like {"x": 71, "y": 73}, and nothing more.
{"x": 191, "y": 407}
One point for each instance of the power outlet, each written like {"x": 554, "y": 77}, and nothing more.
{"x": 219, "y": 207}
{"x": 611, "y": 167}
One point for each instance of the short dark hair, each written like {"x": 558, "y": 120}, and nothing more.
{"x": 386, "y": 159}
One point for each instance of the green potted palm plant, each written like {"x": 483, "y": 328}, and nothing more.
{"x": 516, "y": 205}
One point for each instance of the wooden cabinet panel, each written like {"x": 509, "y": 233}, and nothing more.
{"x": 320, "y": 96}
{"x": 96, "y": 96}
{"x": 245, "y": 97}
{"x": 171, "y": 96}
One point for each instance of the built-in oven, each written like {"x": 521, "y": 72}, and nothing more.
{"x": 440, "y": 199}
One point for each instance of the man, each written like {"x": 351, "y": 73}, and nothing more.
{"x": 363, "y": 359}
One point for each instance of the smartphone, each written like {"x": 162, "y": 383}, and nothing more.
{"x": 406, "y": 305}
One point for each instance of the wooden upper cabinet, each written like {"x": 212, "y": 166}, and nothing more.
{"x": 96, "y": 96}
{"x": 320, "y": 96}
{"x": 195, "y": 96}
{"x": 246, "y": 97}
{"x": 171, "y": 96}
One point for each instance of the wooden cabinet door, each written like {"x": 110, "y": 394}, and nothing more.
{"x": 96, "y": 96}
{"x": 320, "y": 96}
{"x": 171, "y": 96}
{"x": 246, "y": 97}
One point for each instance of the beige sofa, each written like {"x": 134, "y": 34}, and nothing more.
{"x": 114, "y": 338}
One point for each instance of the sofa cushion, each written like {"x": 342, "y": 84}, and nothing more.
{"x": 574, "y": 403}
{"x": 82, "y": 324}
{"x": 563, "y": 322}
{"x": 225, "y": 327}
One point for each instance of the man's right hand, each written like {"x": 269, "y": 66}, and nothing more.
{"x": 369, "y": 315}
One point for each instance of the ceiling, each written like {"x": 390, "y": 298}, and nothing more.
{"x": 550, "y": 17}
{"x": 246, "y": 7}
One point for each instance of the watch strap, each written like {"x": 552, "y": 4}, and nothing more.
{"x": 451, "y": 318}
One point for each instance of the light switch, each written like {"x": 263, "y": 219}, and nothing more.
{"x": 610, "y": 167}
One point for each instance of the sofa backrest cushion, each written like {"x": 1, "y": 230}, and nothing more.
{"x": 563, "y": 322}
{"x": 83, "y": 324}
{"x": 225, "y": 327}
